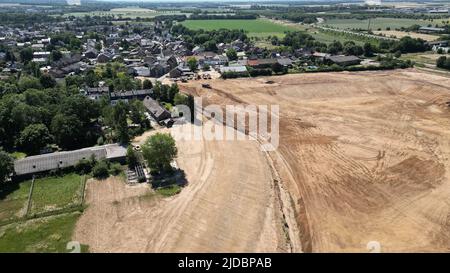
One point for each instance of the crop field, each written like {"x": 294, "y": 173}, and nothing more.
{"x": 401, "y": 34}
{"x": 254, "y": 28}
{"x": 377, "y": 23}
{"x": 132, "y": 12}
{"x": 325, "y": 36}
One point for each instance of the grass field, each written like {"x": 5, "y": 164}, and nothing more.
{"x": 47, "y": 234}
{"x": 254, "y": 28}
{"x": 375, "y": 24}
{"x": 50, "y": 234}
{"x": 169, "y": 190}
{"x": 324, "y": 36}
{"x": 13, "y": 200}
{"x": 131, "y": 12}
{"x": 52, "y": 193}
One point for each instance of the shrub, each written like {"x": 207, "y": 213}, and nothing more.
{"x": 100, "y": 170}
{"x": 83, "y": 166}
{"x": 132, "y": 158}
{"x": 115, "y": 169}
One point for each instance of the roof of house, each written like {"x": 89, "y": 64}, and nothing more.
{"x": 131, "y": 93}
{"x": 237, "y": 69}
{"x": 47, "y": 162}
{"x": 432, "y": 28}
{"x": 261, "y": 62}
{"x": 343, "y": 59}
{"x": 284, "y": 61}
{"x": 154, "y": 108}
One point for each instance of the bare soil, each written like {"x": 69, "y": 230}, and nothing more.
{"x": 228, "y": 205}
{"x": 364, "y": 156}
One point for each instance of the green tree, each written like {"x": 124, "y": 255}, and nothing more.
{"x": 232, "y": 54}
{"x": 91, "y": 79}
{"x": 9, "y": 56}
{"x": 26, "y": 55}
{"x": 121, "y": 124}
{"x": 159, "y": 150}
{"x": 33, "y": 138}
{"x": 368, "y": 50}
{"x": 55, "y": 55}
{"x": 27, "y": 82}
{"x": 137, "y": 113}
{"x": 335, "y": 47}
{"x": 180, "y": 99}
{"x": 47, "y": 81}
{"x": 6, "y": 166}
{"x": 157, "y": 90}
{"x": 192, "y": 63}
{"x": 132, "y": 158}
{"x": 172, "y": 91}
{"x": 67, "y": 131}
{"x": 147, "y": 84}
{"x": 206, "y": 67}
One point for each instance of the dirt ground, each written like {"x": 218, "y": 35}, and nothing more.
{"x": 229, "y": 205}
{"x": 365, "y": 156}
{"x": 401, "y": 34}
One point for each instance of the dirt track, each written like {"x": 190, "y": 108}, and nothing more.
{"x": 364, "y": 155}
{"x": 229, "y": 205}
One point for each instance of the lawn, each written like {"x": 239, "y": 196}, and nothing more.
{"x": 53, "y": 193}
{"x": 13, "y": 200}
{"x": 169, "y": 190}
{"x": 375, "y": 23}
{"x": 254, "y": 28}
{"x": 49, "y": 234}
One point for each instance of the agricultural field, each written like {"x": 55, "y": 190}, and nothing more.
{"x": 401, "y": 34}
{"x": 206, "y": 216}
{"x": 132, "y": 12}
{"x": 325, "y": 36}
{"x": 254, "y": 28}
{"x": 377, "y": 23}
{"x": 363, "y": 155}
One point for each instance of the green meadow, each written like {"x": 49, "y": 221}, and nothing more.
{"x": 254, "y": 28}
{"x": 376, "y": 23}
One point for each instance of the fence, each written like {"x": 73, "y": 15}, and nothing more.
{"x": 71, "y": 208}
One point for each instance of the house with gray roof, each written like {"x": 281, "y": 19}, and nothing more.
{"x": 158, "y": 112}
{"x": 60, "y": 160}
{"x": 343, "y": 60}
